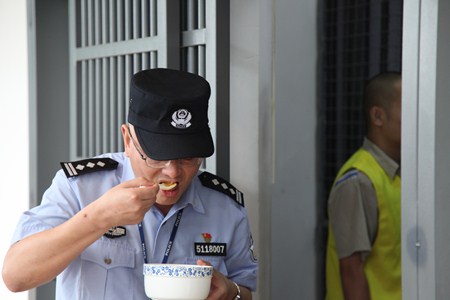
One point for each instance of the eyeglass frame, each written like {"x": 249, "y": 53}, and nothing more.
{"x": 161, "y": 164}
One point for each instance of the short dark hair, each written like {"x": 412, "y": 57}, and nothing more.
{"x": 380, "y": 91}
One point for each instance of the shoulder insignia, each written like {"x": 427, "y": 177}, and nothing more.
{"x": 219, "y": 184}
{"x": 348, "y": 175}
{"x": 81, "y": 167}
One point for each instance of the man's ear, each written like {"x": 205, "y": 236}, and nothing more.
{"x": 126, "y": 139}
{"x": 377, "y": 116}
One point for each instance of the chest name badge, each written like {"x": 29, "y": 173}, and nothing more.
{"x": 116, "y": 232}
{"x": 210, "y": 249}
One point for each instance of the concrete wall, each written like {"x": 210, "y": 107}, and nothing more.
{"x": 273, "y": 139}
{"x": 246, "y": 159}
{"x": 294, "y": 202}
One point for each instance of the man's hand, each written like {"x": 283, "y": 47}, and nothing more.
{"x": 125, "y": 204}
{"x": 223, "y": 288}
{"x": 54, "y": 249}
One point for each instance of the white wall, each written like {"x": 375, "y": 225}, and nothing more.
{"x": 273, "y": 59}
{"x": 294, "y": 210}
{"x": 14, "y": 153}
{"x": 244, "y": 128}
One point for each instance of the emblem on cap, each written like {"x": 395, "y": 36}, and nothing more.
{"x": 181, "y": 119}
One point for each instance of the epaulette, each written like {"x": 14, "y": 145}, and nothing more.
{"x": 81, "y": 167}
{"x": 219, "y": 184}
{"x": 348, "y": 175}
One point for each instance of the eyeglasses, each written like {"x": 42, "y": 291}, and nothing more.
{"x": 160, "y": 164}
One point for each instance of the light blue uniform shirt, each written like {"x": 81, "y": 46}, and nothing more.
{"x": 111, "y": 268}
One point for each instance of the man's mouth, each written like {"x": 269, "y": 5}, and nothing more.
{"x": 167, "y": 186}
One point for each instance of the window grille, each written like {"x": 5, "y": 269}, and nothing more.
{"x": 111, "y": 40}
{"x": 359, "y": 39}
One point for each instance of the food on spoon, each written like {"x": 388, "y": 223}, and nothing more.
{"x": 166, "y": 186}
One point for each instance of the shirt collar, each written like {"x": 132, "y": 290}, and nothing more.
{"x": 390, "y": 166}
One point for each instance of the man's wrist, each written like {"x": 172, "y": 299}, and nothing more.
{"x": 238, "y": 295}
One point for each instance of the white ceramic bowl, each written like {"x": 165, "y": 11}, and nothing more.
{"x": 177, "y": 281}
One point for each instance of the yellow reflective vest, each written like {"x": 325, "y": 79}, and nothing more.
{"x": 383, "y": 264}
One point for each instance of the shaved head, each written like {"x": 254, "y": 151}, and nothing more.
{"x": 383, "y": 110}
{"x": 381, "y": 91}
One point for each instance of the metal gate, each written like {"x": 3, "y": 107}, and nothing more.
{"x": 110, "y": 40}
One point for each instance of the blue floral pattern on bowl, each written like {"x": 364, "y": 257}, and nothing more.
{"x": 177, "y": 270}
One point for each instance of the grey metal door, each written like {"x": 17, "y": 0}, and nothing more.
{"x": 110, "y": 40}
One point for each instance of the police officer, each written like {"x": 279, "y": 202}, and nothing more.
{"x": 103, "y": 218}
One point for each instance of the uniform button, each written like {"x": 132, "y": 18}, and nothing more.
{"x": 108, "y": 261}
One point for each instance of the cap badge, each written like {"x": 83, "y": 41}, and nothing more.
{"x": 181, "y": 119}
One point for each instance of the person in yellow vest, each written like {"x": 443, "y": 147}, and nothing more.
{"x": 363, "y": 259}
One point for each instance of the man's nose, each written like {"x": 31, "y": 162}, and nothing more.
{"x": 172, "y": 168}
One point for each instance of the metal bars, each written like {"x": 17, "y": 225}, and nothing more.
{"x": 100, "y": 21}
{"x": 113, "y": 40}
{"x": 102, "y": 92}
{"x": 358, "y": 40}
{"x": 193, "y": 57}
{"x": 193, "y": 38}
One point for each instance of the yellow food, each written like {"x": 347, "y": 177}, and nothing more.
{"x": 165, "y": 186}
